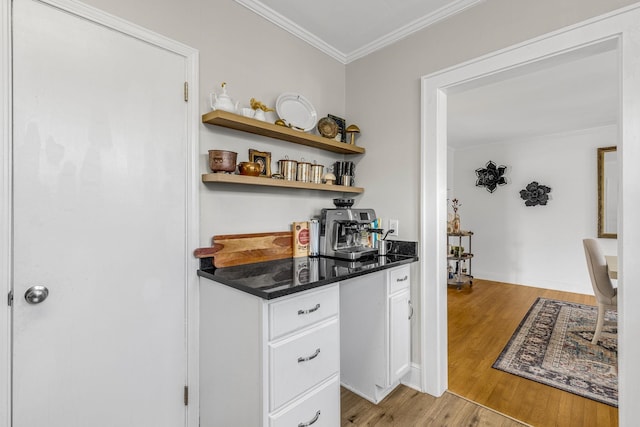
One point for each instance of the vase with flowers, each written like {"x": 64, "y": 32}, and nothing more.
{"x": 455, "y": 223}
{"x": 259, "y": 109}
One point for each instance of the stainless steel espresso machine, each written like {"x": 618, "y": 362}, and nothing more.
{"x": 344, "y": 231}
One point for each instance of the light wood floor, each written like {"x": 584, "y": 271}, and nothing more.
{"x": 405, "y": 407}
{"x": 482, "y": 319}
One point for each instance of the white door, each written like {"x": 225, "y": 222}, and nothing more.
{"x": 100, "y": 218}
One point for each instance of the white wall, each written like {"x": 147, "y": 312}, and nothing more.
{"x": 257, "y": 60}
{"x": 541, "y": 245}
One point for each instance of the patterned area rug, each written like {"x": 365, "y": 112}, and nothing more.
{"x": 553, "y": 346}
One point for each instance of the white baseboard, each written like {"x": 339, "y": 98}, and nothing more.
{"x": 412, "y": 378}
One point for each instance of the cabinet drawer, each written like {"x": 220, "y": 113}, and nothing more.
{"x": 303, "y": 310}
{"x": 298, "y": 363}
{"x": 399, "y": 279}
{"x": 321, "y": 408}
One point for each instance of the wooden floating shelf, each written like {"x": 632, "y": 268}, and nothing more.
{"x": 270, "y": 182}
{"x": 258, "y": 127}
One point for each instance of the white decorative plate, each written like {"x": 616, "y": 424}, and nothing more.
{"x": 296, "y": 111}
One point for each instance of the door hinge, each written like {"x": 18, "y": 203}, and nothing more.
{"x": 10, "y": 298}
{"x": 186, "y": 395}
{"x": 186, "y": 92}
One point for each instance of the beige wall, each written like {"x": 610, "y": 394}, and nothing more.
{"x": 383, "y": 93}
{"x": 256, "y": 59}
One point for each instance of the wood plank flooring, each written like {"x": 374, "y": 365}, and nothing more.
{"x": 406, "y": 407}
{"x": 482, "y": 319}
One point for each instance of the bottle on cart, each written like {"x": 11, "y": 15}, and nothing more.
{"x": 450, "y": 271}
{"x": 464, "y": 267}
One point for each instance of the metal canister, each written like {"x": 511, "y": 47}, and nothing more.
{"x": 316, "y": 173}
{"x": 288, "y": 168}
{"x": 314, "y": 237}
{"x": 304, "y": 171}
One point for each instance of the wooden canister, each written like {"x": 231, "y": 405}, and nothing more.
{"x": 300, "y": 239}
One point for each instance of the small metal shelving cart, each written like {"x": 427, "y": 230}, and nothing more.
{"x": 456, "y": 258}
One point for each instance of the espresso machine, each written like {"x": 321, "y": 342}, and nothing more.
{"x": 344, "y": 232}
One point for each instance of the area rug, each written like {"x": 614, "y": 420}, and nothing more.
{"x": 553, "y": 346}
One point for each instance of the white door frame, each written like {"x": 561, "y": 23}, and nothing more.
{"x": 191, "y": 190}
{"x": 622, "y": 26}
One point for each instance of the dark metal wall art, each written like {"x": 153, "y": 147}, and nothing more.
{"x": 491, "y": 176}
{"x": 535, "y": 194}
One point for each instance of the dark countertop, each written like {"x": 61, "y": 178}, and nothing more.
{"x": 273, "y": 279}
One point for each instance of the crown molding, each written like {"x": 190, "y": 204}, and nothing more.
{"x": 293, "y": 28}
{"x": 417, "y": 25}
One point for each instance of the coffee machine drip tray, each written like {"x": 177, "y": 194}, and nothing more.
{"x": 354, "y": 253}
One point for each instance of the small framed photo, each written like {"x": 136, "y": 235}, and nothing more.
{"x": 263, "y": 158}
{"x": 342, "y": 128}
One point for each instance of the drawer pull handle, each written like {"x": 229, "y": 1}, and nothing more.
{"x": 313, "y": 420}
{"x": 311, "y": 310}
{"x": 403, "y": 279}
{"x": 410, "y": 308}
{"x": 306, "y": 359}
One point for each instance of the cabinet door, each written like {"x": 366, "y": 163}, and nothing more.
{"x": 399, "y": 335}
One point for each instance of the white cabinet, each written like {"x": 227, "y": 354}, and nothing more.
{"x": 375, "y": 332}
{"x": 399, "y": 335}
{"x": 269, "y": 363}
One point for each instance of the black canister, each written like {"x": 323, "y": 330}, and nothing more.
{"x": 338, "y": 171}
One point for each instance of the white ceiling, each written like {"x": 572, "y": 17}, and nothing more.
{"x": 570, "y": 94}
{"x": 350, "y": 29}
{"x": 574, "y": 91}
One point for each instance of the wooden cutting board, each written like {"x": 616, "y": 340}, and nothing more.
{"x": 238, "y": 249}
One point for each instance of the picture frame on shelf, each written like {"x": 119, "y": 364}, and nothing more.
{"x": 342, "y": 127}
{"x": 263, "y": 158}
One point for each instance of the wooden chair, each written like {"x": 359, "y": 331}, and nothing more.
{"x": 606, "y": 294}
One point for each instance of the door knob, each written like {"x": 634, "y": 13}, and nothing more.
{"x": 36, "y": 294}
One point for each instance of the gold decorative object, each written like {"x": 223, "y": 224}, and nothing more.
{"x": 328, "y": 127}
{"x": 257, "y": 105}
{"x": 249, "y": 168}
{"x": 351, "y": 131}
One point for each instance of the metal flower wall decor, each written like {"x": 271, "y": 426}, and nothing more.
{"x": 491, "y": 176}
{"x": 535, "y": 194}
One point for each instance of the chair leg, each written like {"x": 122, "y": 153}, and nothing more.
{"x": 599, "y": 323}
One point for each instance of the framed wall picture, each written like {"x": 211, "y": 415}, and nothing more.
{"x": 342, "y": 127}
{"x": 263, "y": 158}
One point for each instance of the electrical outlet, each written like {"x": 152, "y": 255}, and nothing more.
{"x": 394, "y": 225}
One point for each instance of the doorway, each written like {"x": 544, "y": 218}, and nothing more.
{"x": 545, "y": 125}
{"x": 621, "y": 26}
